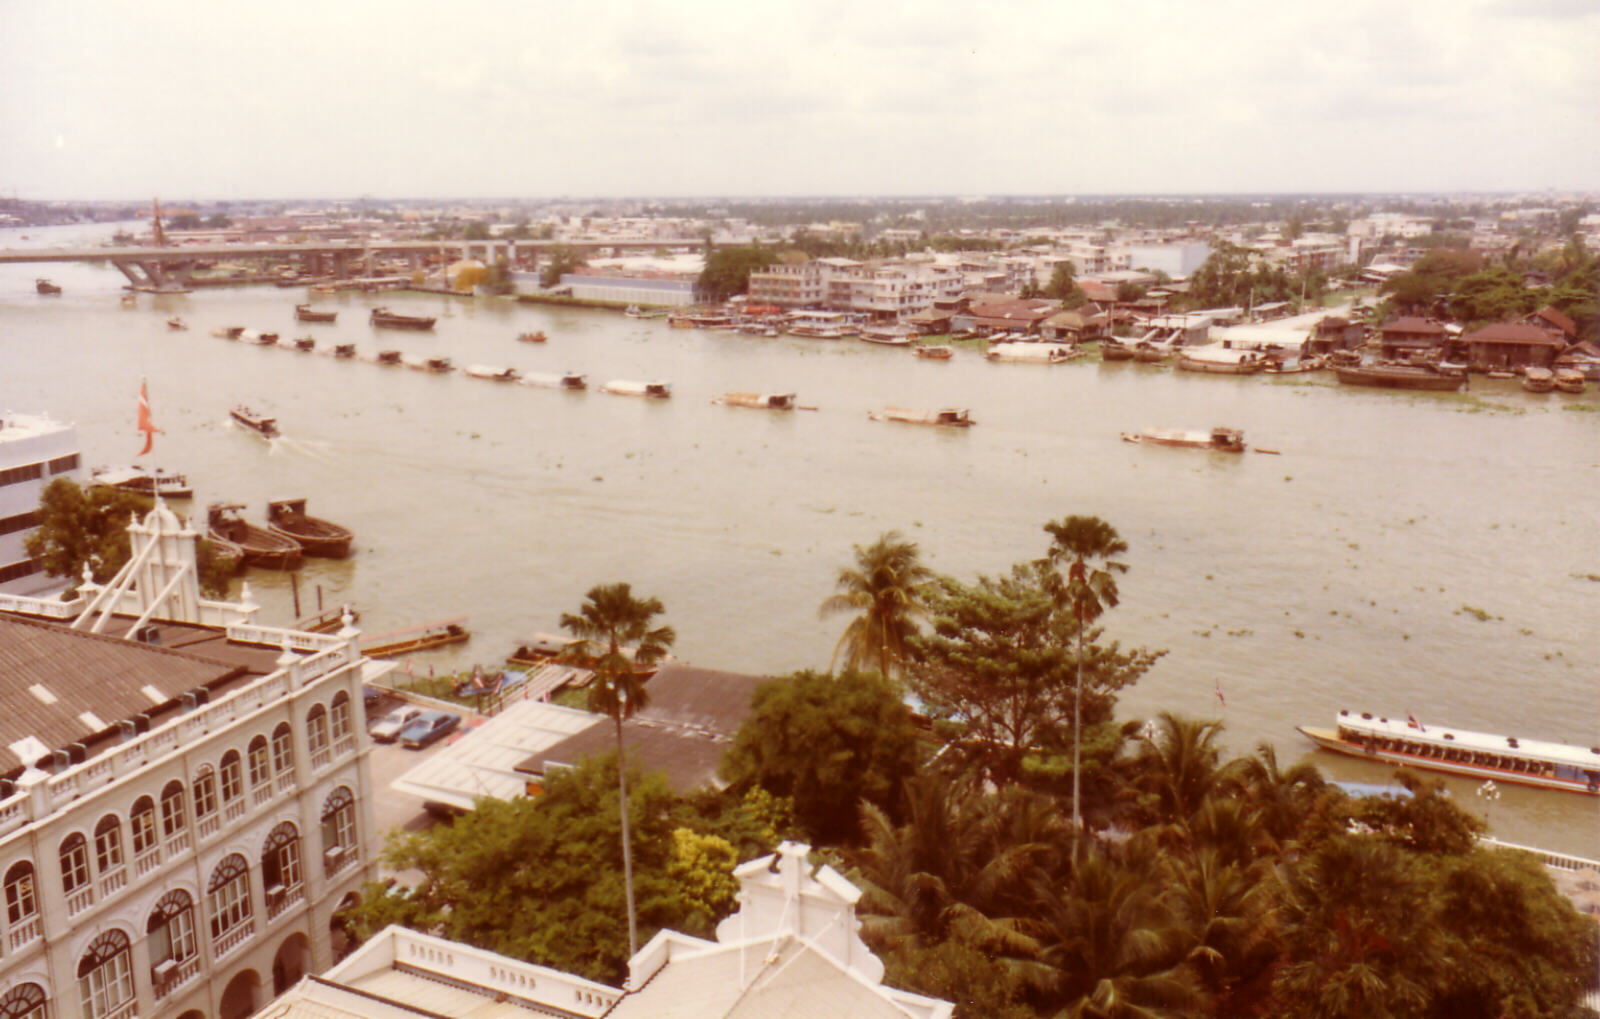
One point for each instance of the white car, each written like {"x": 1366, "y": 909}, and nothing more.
{"x": 387, "y": 729}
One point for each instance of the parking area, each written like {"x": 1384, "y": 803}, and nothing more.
{"x": 393, "y": 809}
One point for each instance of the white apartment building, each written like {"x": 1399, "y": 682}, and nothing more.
{"x": 182, "y": 814}
{"x": 34, "y": 451}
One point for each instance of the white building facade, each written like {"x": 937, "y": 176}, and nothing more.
{"x": 34, "y": 451}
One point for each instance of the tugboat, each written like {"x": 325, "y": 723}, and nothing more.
{"x": 259, "y": 547}
{"x": 264, "y": 426}
{"x": 318, "y": 537}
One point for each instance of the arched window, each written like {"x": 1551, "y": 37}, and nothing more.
{"x": 228, "y": 896}
{"x": 172, "y": 940}
{"x": 282, "y": 749}
{"x": 260, "y": 769}
{"x": 21, "y": 903}
{"x": 74, "y": 862}
{"x": 26, "y": 1001}
{"x": 280, "y": 865}
{"x": 317, "y": 734}
{"x": 108, "y": 844}
{"x": 142, "y": 819}
{"x": 341, "y": 716}
{"x": 205, "y": 794}
{"x": 174, "y": 818}
{"x": 232, "y": 775}
{"x": 338, "y": 829}
{"x": 105, "y": 975}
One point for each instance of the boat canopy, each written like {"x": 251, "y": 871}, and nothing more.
{"x": 1489, "y": 743}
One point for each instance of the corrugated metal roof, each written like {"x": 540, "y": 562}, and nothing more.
{"x": 52, "y": 677}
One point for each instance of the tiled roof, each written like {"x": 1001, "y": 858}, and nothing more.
{"x": 1514, "y": 332}
{"x": 1412, "y": 324}
{"x": 1557, "y": 319}
{"x": 60, "y": 686}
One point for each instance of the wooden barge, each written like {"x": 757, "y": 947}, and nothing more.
{"x": 415, "y": 638}
{"x": 318, "y": 537}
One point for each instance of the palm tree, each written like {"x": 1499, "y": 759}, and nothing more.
{"x": 885, "y": 587}
{"x": 610, "y": 620}
{"x": 1081, "y": 542}
{"x": 1180, "y": 762}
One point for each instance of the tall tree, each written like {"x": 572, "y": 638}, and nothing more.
{"x": 610, "y": 620}
{"x": 1085, "y": 544}
{"x": 727, "y": 271}
{"x": 885, "y": 588}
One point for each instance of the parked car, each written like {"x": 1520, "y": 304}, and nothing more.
{"x": 388, "y": 728}
{"x": 428, "y": 727}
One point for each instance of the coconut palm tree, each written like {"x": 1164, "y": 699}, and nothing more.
{"x": 1085, "y": 545}
{"x": 885, "y": 588}
{"x": 1179, "y": 761}
{"x": 609, "y": 621}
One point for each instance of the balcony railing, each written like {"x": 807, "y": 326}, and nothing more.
{"x": 185, "y": 972}
{"x": 178, "y": 843}
{"x": 127, "y": 1010}
{"x": 146, "y": 861}
{"x": 285, "y": 781}
{"x": 24, "y": 932}
{"x": 233, "y": 810}
{"x": 261, "y": 793}
{"x": 284, "y": 899}
{"x": 320, "y": 758}
{"x": 210, "y": 823}
{"x": 115, "y": 881}
{"x": 233, "y": 939}
{"x": 80, "y": 900}
{"x": 344, "y": 745}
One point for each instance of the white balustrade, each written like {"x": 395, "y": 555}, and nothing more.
{"x": 80, "y": 900}
{"x": 233, "y": 939}
{"x": 113, "y": 882}
{"x": 25, "y": 932}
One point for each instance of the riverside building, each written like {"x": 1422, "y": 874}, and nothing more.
{"x": 34, "y": 451}
{"x": 184, "y": 806}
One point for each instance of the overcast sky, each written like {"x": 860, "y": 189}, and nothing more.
{"x": 340, "y": 98}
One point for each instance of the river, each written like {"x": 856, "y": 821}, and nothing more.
{"x": 1431, "y": 554}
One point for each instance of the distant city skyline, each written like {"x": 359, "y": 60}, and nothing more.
{"x": 710, "y": 98}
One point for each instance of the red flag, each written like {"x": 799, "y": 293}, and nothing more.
{"x": 145, "y": 425}
{"x": 1414, "y": 723}
{"x": 1221, "y": 698}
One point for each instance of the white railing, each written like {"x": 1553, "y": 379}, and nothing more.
{"x": 80, "y": 900}
{"x": 345, "y": 745}
{"x": 261, "y": 793}
{"x": 25, "y": 932}
{"x": 185, "y": 972}
{"x": 178, "y": 843}
{"x": 320, "y": 758}
{"x": 146, "y": 861}
{"x": 113, "y": 882}
{"x": 233, "y": 939}
{"x": 233, "y": 809}
{"x": 49, "y": 608}
{"x": 285, "y": 900}
{"x": 127, "y": 1010}
{"x": 476, "y": 967}
{"x": 1559, "y": 861}
{"x": 285, "y": 781}
{"x": 273, "y": 636}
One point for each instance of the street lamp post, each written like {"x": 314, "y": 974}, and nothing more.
{"x": 1488, "y": 792}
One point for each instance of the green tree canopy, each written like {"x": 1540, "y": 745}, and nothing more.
{"x": 562, "y": 260}
{"x": 885, "y": 588}
{"x": 828, "y": 743}
{"x": 541, "y": 878}
{"x": 727, "y": 271}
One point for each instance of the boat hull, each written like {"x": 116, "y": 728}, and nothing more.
{"x": 1328, "y": 739}
{"x": 305, "y": 314}
{"x": 1385, "y": 377}
{"x": 1190, "y": 364}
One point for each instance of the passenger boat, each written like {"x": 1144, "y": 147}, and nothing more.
{"x": 622, "y": 387}
{"x": 1569, "y": 380}
{"x": 46, "y": 288}
{"x": 821, "y": 325}
{"x": 1538, "y": 380}
{"x": 759, "y": 401}
{"x": 1033, "y": 353}
{"x": 1218, "y": 440}
{"x": 633, "y": 311}
{"x": 563, "y": 380}
{"x": 935, "y": 352}
{"x": 1459, "y": 752}
{"x": 885, "y": 336}
{"x": 949, "y": 417}
{"x": 144, "y": 480}
{"x": 394, "y": 320}
{"x": 259, "y": 546}
{"x": 318, "y": 537}
{"x": 228, "y": 332}
{"x": 259, "y": 423}
{"x": 306, "y": 313}
{"x": 176, "y": 323}
{"x": 534, "y": 337}
{"x": 1398, "y": 376}
{"x": 415, "y": 638}
{"x": 488, "y": 371}
{"x": 1113, "y": 350}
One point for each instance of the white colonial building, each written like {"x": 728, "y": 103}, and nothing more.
{"x": 184, "y": 803}
{"x": 34, "y": 451}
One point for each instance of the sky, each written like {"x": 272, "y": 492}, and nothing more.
{"x": 469, "y": 98}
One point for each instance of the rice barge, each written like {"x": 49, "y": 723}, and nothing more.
{"x": 256, "y": 546}
{"x": 948, "y": 417}
{"x": 287, "y": 518}
{"x": 415, "y": 638}
{"x": 394, "y": 320}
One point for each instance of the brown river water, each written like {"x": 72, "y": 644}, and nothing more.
{"x": 1350, "y": 570}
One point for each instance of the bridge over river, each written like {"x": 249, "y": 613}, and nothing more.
{"x": 171, "y": 267}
